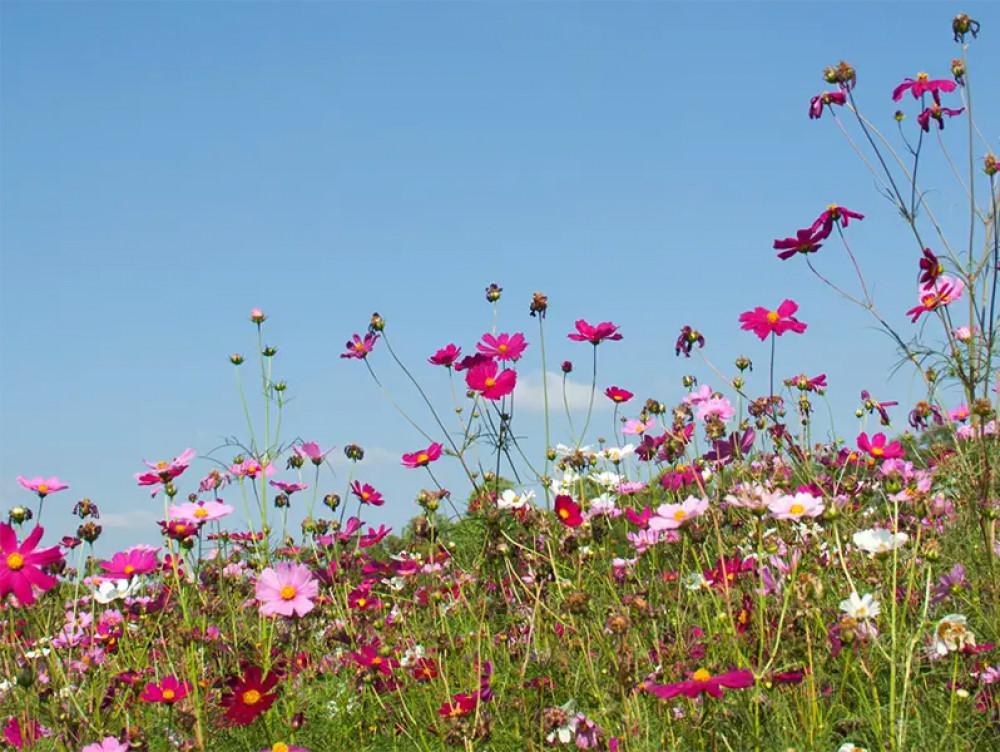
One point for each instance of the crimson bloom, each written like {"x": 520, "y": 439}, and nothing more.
{"x": 424, "y": 457}
{"x": 373, "y": 536}
{"x": 42, "y": 486}
{"x": 446, "y": 356}
{"x": 369, "y": 657}
{"x": 167, "y": 692}
{"x": 503, "y": 346}
{"x": 568, "y": 511}
{"x": 921, "y": 85}
{"x": 595, "y": 335}
{"x": 805, "y": 241}
{"x": 615, "y": 394}
{"x": 359, "y": 348}
{"x": 137, "y": 560}
{"x": 930, "y": 268}
{"x": 461, "y": 705}
{"x": 834, "y": 214}
{"x": 367, "y": 494}
{"x": 20, "y": 565}
{"x": 471, "y": 361}
{"x": 702, "y": 681}
{"x": 249, "y": 696}
{"x": 686, "y": 341}
{"x": 486, "y": 380}
{"x": 825, "y": 99}
{"x": 936, "y": 113}
{"x": 877, "y": 447}
{"x": 763, "y": 322}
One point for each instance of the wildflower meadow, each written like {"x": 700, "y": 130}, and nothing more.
{"x": 723, "y": 573}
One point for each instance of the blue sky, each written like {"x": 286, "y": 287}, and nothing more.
{"x": 168, "y": 166}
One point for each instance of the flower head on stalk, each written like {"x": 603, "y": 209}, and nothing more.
{"x": 825, "y": 99}
{"x": 833, "y": 215}
{"x": 763, "y": 322}
{"x": 359, "y": 348}
{"x": 944, "y": 291}
{"x": 805, "y": 241}
{"x": 686, "y": 341}
{"x": 921, "y": 85}
{"x": 936, "y": 113}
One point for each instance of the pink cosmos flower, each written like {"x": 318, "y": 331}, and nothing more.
{"x": 373, "y": 536}
{"x": 503, "y": 347}
{"x": 834, "y": 214}
{"x": 921, "y": 85}
{"x": 960, "y": 413}
{"x": 250, "y": 468}
{"x": 165, "y": 471}
{"x": 367, "y": 494}
{"x": 716, "y": 406}
{"x": 310, "y": 450}
{"x": 42, "y": 486}
{"x": 699, "y": 395}
{"x": 936, "y": 113}
{"x": 137, "y": 560}
{"x": 167, "y": 692}
{"x": 289, "y": 488}
{"x": 286, "y": 589}
{"x": 595, "y": 335}
{"x": 568, "y": 511}
{"x": 424, "y": 457}
{"x": 108, "y": 744}
{"x": 673, "y": 516}
{"x": 702, "y": 681}
{"x": 21, "y": 565}
{"x": 200, "y": 512}
{"x": 763, "y": 322}
{"x": 637, "y": 427}
{"x": 805, "y": 241}
{"x": 615, "y": 394}
{"x": 471, "y": 361}
{"x": 876, "y": 447}
{"x": 825, "y": 99}
{"x": 795, "y": 507}
{"x": 359, "y": 348}
{"x": 485, "y": 379}
{"x": 446, "y": 356}
{"x": 941, "y": 292}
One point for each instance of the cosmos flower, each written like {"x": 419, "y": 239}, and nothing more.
{"x": 21, "y": 565}
{"x": 487, "y": 379}
{"x": 921, "y": 85}
{"x": 795, "y": 507}
{"x": 878, "y": 541}
{"x": 502, "y": 346}
{"x": 287, "y": 589}
{"x": 108, "y": 744}
{"x": 673, "y": 516}
{"x": 167, "y": 692}
{"x": 825, "y": 99}
{"x": 249, "y": 696}
{"x": 763, "y": 322}
{"x": 805, "y": 241}
{"x": 595, "y": 335}
{"x": 617, "y": 395}
{"x": 163, "y": 472}
{"x": 702, "y": 681}
{"x": 125, "y": 565}
{"x": 42, "y": 486}
{"x": 861, "y": 607}
{"x": 936, "y": 113}
{"x": 424, "y": 457}
{"x": 446, "y": 356}
{"x": 877, "y": 447}
{"x": 359, "y": 348}
{"x": 200, "y": 511}
{"x": 310, "y": 450}
{"x": 367, "y": 494}
{"x": 568, "y": 511}
{"x": 834, "y": 214}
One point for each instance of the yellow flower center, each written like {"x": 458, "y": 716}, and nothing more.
{"x": 701, "y": 675}
{"x": 43, "y": 488}
{"x": 288, "y": 592}
{"x": 877, "y": 451}
{"x": 679, "y": 515}
{"x": 161, "y": 465}
{"x": 15, "y": 562}
{"x": 796, "y": 509}
{"x": 129, "y": 569}
{"x": 168, "y": 694}
{"x": 772, "y": 317}
{"x": 491, "y": 382}
{"x": 377, "y": 660}
{"x": 564, "y": 513}
{"x": 251, "y": 697}
{"x": 862, "y": 611}
{"x": 423, "y": 456}
{"x": 832, "y": 208}
{"x": 502, "y": 348}
{"x": 359, "y": 346}
{"x": 922, "y": 77}
{"x": 201, "y": 512}
{"x": 362, "y": 602}
{"x": 279, "y": 747}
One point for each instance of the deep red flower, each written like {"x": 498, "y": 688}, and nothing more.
{"x": 568, "y": 511}
{"x": 424, "y": 457}
{"x": 825, "y": 99}
{"x": 686, "y": 341}
{"x": 424, "y": 669}
{"x": 503, "y": 346}
{"x": 834, "y": 214}
{"x": 446, "y": 356}
{"x": 367, "y": 494}
{"x": 359, "y": 348}
{"x": 763, "y": 322}
{"x": 369, "y": 657}
{"x": 595, "y": 335}
{"x": 249, "y": 696}
{"x": 616, "y": 394}
{"x": 930, "y": 268}
{"x": 805, "y": 241}
{"x": 471, "y": 361}
{"x": 702, "y": 681}
{"x": 492, "y": 383}
{"x": 921, "y": 85}
{"x": 459, "y": 707}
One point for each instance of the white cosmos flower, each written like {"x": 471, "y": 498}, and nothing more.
{"x": 861, "y": 607}
{"x": 606, "y": 479}
{"x": 511, "y": 499}
{"x": 112, "y": 590}
{"x": 878, "y": 541}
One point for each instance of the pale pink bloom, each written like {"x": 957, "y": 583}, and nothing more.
{"x": 715, "y": 406}
{"x": 42, "y": 486}
{"x": 200, "y": 511}
{"x": 796, "y": 507}
{"x": 250, "y": 468}
{"x": 752, "y": 496}
{"x": 286, "y": 589}
{"x": 963, "y": 333}
{"x": 637, "y": 427}
{"x": 699, "y": 395}
{"x": 960, "y": 413}
{"x": 310, "y": 450}
{"x": 644, "y": 539}
{"x": 672, "y": 516}
{"x": 109, "y": 744}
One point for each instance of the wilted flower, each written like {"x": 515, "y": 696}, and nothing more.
{"x": 951, "y": 635}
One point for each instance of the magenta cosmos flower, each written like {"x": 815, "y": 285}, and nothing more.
{"x": 487, "y": 379}
{"x": 805, "y": 241}
{"x": 367, "y": 494}
{"x": 424, "y": 457}
{"x": 282, "y": 747}
{"x": 137, "y": 560}
{"x": 503, "y": 346}
{"x": 200, "y": 511}
{"x": 879, "y": 448}
{"x": 825, "y": 99}
{"x": 936, "y": 113}
{"x": 618, "y": 395}
{"x": 167, "y": 692}
{"x": 289, "y": 488}
{"x": 108, "y": 744}
{"x": 921, "y": 85}
{"x": 568, "y": 511}
{"x": 310, "y": 450}
{"x": 833, "y": 215}
{"x": 702, "y": 681}
{"x": 286, "y": 589}
{"x": 763, "y": 322}
{"x": 595, "y": 335}
{"x": 446, "y": 356}
{"x": 42, "y": 486}
{"x": 359, "y": 348}
{"x": 20, "y": 565}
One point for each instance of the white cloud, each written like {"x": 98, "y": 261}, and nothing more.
{"x": 528, "y": 395}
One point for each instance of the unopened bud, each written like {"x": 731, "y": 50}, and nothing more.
{"x": 236, "y": 359}
{"x": 257, "y": 316}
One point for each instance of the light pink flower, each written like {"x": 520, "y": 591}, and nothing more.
{"x": 715, "y": 406}
{"x": 200, "y": 511}
{"x": 286, "y": 589}
{"x": 637, "y": 427}
{"x": 796, "y": 507}
{"x": 42, "y": 486}
{"x": 109, "y": 744}
{"x": 672, "y": 516}
{"x": 309, "y": 450}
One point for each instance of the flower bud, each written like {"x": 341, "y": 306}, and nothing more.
{"x": 858, "y": 413}
{"x": 899, "y": 115}
{"x": 89, "y": 531}
{"x": 738, "y": 382}
{"x": 539, "y": 305}
{"x": 257, "y": 316}
{"x": 280, "y": 386}
{"x": 493, "y": 292}
{"x": 567, "y": 366}
{"x": 744, "y": 363}
{"x": 332, "y": 501}
{"x": 962, "y": 24}
{"x": 19, "y": 515}
{"x": 281, "y": 502}
{"x": 990, "y": 164}
{"x": 269, "y": 352}
{"x": 295, "y": 462}
{"x": 689, "y": 381}
{"x": 236, "y": 359}
{"x": 377, "y": 324}
{"x": 354, "y": 452}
